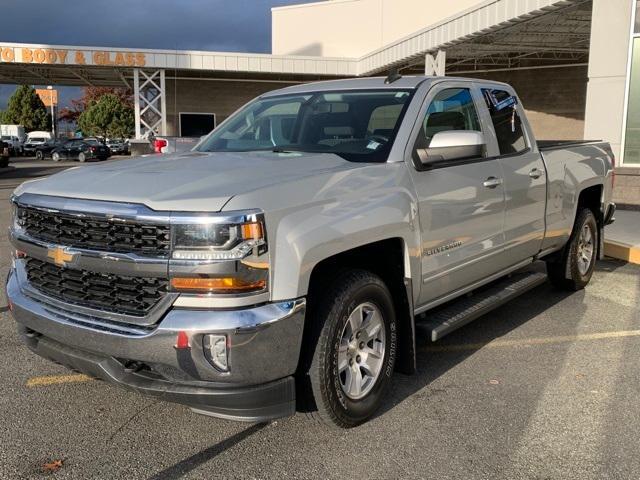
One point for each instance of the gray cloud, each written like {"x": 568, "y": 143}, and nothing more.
{"x": 227, "y": 25}
{"x": 216, "y": 25}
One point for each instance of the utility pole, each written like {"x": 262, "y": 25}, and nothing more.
{"x": 53, "y": 117}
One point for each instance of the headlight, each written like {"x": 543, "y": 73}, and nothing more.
{"x": 219, "y": 254}
{"x": 217, "y": 241}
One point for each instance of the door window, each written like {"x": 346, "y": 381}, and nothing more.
{"x": 451, "y": 109}
{"x": 506, "y": 121}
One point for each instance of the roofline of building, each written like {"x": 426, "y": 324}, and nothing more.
{"x": 485, "y": 17}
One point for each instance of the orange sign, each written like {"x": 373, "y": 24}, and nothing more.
{"x": 48, "y": 97}
{"x": 58, "y": 56}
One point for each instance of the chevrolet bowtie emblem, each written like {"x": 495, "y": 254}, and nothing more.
{"x": 59, "y": 256}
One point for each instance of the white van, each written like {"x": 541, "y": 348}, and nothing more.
{"x": 13, "y": 131}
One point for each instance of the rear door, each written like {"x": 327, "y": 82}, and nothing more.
{"x": 524, "y": 172}
{"x": 460, "y": 205}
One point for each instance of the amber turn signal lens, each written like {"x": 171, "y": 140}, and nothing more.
{"x": 217, "y": 285}
{"x": 251, "y": 231}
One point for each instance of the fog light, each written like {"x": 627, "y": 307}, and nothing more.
{"x": 215, "y": 350}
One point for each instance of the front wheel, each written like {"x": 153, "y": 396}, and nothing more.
{"x": 39, "y": 155}
{"x": 574, "y": 268}
{"x": 55, "y": 156}
{"x": 356, "y": 349}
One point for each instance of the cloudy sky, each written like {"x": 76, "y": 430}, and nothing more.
{"x": 223, "y": 25}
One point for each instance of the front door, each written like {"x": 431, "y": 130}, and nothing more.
{"x": 460, "y": 204}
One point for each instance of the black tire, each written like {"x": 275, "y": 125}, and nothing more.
{"x": 55, "y": 156}
{"x": 4, "y": 162}
{"x": 39, "y": 155}
{"x": 330, "y": 315}
{"x": 82, "y": 157}
{"x": 564, "y": 271}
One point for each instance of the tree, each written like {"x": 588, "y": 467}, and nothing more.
{"x": 26, "y": 108}
{"x": 108, "y": 117}
{"x": 91, "y": 95}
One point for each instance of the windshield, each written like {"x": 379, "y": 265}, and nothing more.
{"x": 357, "y": 125}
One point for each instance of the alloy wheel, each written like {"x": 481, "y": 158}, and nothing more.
{"x": 585, "y": 249}
{"x": 361, "y": 351}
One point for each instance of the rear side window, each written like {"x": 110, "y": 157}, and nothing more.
{"x": 506, "y": 121}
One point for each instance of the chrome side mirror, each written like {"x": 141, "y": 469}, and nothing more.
{"x": 451, "y": 145}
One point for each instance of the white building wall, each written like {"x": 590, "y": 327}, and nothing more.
{"x": 352, "y": 28}
{"x": 608, "y": 64}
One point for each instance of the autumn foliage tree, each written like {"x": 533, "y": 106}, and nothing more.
{"x": 92, "y": 95}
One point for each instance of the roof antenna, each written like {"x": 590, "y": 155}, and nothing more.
{"x": 393, "y": 76}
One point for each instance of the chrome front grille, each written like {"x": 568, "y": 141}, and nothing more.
{"x": 107, "y": 292}
{"x": 96, "y": 233}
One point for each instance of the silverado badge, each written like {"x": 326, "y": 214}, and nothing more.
{"x": 59, "y": 256}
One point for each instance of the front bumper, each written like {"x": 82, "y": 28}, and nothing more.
{"x": 264, "y": 347}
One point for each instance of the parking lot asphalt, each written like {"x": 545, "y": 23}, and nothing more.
{"x": 545, "y": 387}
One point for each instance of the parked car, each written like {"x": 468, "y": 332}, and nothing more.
{"x": 43, "y": 150}
{"x": 16, "y": 131}
{"x": 286, "y": 264}
{"x": 4, "y": 154}
{"x": 81, "y": 150}
{"x": 117, "y": 146}
{"x": 15, "y": 144}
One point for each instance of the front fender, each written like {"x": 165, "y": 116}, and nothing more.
{"x": 313, "y": 218}
{"x": 310, "y": 235}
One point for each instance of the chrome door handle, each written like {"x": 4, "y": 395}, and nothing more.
{"x": 492, "y": 182}
{"x": 535, "y": 173}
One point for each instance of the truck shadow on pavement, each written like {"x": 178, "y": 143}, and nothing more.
{"x": 194, "y": 461}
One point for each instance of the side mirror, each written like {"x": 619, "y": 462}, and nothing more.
{"x": 451, "y": 145}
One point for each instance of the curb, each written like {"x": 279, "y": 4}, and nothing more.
{"x": 622, "y": 251}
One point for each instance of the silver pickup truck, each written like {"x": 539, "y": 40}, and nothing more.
{"x": 285, "y": 263}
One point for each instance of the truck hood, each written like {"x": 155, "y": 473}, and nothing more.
{"x": 192, "y": 181}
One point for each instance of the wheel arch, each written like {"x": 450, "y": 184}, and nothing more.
{"x": 388, "y": 259}
{"x": 592, "y": 197}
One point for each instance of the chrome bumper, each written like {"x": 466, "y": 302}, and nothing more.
{"x": 264, "y": 347}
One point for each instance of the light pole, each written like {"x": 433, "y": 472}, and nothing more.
{"x": 53, "y": 118}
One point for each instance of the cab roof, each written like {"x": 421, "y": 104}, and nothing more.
{"x": 368, "y": 83}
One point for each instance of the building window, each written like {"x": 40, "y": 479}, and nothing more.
{"x": 637, "y": 25}
{"x": 194, "y": 124}
{"x": 632, "y": 136}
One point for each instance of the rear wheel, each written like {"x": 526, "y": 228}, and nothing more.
{"x": 356, "y": 349}
{"x": 574, "y": 268}
{"x": 55, "y": 156}
{"x": 82, "y": 157}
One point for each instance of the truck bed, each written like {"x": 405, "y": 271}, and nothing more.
{"x": 555, "y": 144}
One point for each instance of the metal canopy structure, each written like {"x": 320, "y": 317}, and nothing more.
{"x": 558, "y": 37}
{"x": 494, "y": 34}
